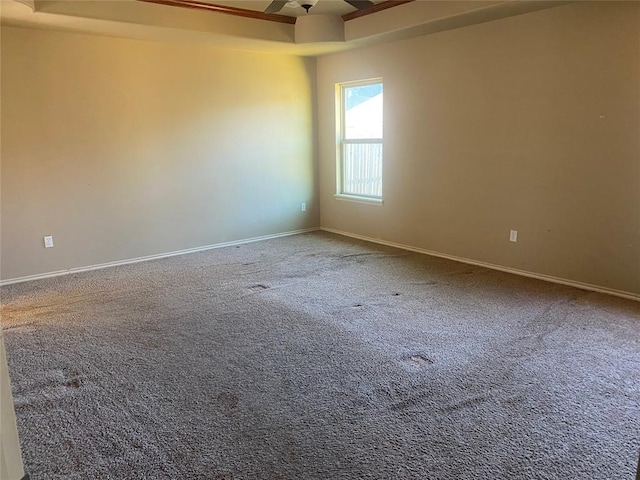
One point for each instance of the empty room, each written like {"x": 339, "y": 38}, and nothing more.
{"x": 334, "y": 239}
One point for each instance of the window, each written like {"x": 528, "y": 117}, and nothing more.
{"x": 359, "y": 169}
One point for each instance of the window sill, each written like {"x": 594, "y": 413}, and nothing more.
{"x": 353, "y": 198}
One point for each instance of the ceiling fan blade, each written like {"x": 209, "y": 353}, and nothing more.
{"x": 276, "y": 6}
{"x": 360, "y": 4}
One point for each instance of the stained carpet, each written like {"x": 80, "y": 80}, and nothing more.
{"x": 321, "y": 357}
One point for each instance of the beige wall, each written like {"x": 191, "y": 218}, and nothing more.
{"x": 529, "y": 123}
{"x": 123, "y": 148}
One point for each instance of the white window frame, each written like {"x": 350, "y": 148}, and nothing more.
{"x": 341, "y": 141}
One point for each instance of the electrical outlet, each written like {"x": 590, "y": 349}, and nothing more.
{"x": 48, "y": 241}
{"x": 513, "y": 236}
{"x": 303, "y": 207}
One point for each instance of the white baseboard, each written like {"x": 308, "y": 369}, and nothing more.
{"x": 88, "y": 268}
{"x": 524, "y": 273}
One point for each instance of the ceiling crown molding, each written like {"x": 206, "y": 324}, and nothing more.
{"x": 272, "y": 17}
{"x": 155, "y": 20}
{"x": 212, "y": 7}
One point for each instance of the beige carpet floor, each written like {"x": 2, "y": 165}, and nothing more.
{"x": 321, "y": 357}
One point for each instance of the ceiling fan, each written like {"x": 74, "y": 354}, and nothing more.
{"x": 276, "y": 5}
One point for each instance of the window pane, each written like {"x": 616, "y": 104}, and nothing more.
{"x": 363, "y": 111}
{"x": 362, "y": 173}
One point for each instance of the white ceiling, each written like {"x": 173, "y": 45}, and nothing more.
{"x": 136, "y": 19}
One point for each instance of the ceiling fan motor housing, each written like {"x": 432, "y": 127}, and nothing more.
{"x": 276, "y": 5}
